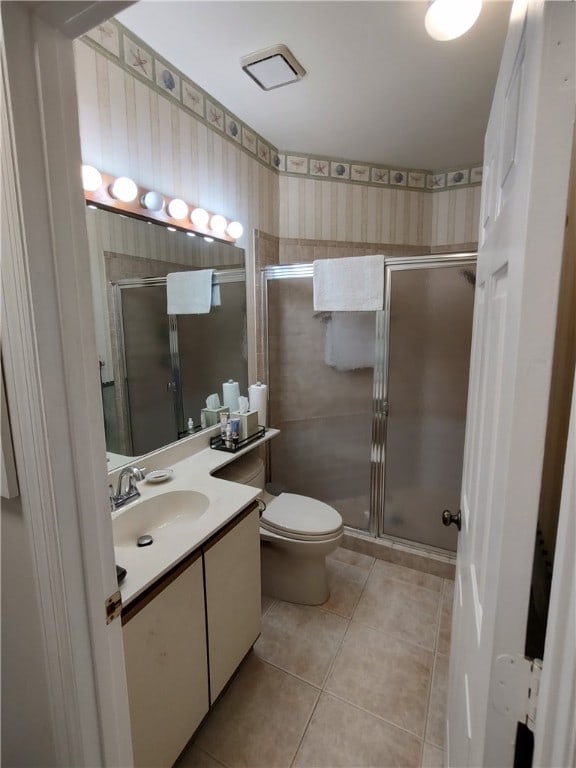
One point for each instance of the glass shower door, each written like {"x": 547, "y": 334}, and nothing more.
{"x": 429, "y": 319}
{"x": 321, "y": 369}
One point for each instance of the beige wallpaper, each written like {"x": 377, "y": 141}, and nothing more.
{"x": 454, "y": 216}
{"x": 332, "y": 210}
{"x": 130, "y": 127}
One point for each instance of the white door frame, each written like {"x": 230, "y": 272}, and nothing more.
{"x": 52, "y": 382}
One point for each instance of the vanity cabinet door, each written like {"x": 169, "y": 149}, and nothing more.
{"x": 232, "y": 572}
{"x": 165, "y": 651}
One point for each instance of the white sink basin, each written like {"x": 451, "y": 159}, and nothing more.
{"x": 163, "y": 517}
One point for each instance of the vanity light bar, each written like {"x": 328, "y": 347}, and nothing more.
{"x": 124, "y": 195}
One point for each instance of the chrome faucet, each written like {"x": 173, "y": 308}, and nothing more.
{"x": 127, "y": 490}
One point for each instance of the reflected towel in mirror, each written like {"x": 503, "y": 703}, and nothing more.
{"x": 191, "y": 293}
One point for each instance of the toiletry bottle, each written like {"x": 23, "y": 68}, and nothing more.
{"x": 223, "y": 425}
{"x": 190, "y": 426}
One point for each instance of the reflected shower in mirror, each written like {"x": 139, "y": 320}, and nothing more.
{"x": 157, "y": 369}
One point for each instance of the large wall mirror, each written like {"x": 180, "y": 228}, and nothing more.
{"x": 156, "y": 369}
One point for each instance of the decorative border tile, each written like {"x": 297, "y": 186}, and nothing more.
{"x": 214, "y": 115}
{"x": 167, "y": 79}
{"x": 319, "y": 167}
{"x": 296, "y": 164}
{"x": 416, "y": 179}
{"x": 248, "y": 140}
{"x": 278, "y": 161}
{"x": 398, "y": 178}
{"x": 263, "y": 151}
{"x": 107, "y": 35}
{"x": 233, "y": 129}
{"x": 137, "y": 58}
{"x": 339, "y": 170}
{"x": 380, "y": 176}
{"x": 118, "y": 43}
{"x": 435, "y": 181}
{"x": 458, "y": 178}
{"x": 476, "y": 175}
{"x": 192, "y": 98}
{"x": 360, "y": 172}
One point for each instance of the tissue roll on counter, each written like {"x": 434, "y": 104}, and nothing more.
{"x": 258, "y": 395}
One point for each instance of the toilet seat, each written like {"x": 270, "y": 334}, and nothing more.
{"x": 301, "y": 518}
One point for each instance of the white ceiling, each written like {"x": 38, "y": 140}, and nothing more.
{"x": 377, "y": 88}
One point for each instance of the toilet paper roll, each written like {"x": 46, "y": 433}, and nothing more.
{"x": 230, "y": 394}
{"x": 258, "y": 395}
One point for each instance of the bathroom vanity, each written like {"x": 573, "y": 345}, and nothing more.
{"x": 191, "y": 600}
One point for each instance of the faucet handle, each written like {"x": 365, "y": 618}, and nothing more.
{"x": 139, "y": 473}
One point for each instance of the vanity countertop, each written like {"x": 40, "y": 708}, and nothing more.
{"x": 144, "y": 565}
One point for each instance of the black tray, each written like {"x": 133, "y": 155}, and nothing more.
{"x": 218, "y": 443}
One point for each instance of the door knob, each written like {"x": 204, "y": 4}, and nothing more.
{"x": 450, "y": 517}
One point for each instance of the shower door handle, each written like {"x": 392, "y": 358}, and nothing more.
{"x": 450, "y": 517}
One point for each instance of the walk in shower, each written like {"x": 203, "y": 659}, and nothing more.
{"x": 372, "y": 405}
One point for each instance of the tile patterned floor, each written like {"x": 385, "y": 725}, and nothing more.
{"x": 359, "y": 682}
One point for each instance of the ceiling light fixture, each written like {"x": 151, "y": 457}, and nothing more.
{"x": 449, "y": 19}
{"x": 273, "y": 67}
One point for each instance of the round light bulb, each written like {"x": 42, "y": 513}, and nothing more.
{"x": 448, "y": 19}
{"x": 171, "y": 229}
{"x": 235, "y": 229}
{"x": 209, "y": 239}
{"x": 218, "y": 224}
{"x": 199, "y": 217}
{"x": 91, "y": 178}
{"x": 153, "y": 201}
{"x": 124, "y": 189}
{"x": 177, "y": 209}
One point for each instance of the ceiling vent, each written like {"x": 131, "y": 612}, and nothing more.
{"x": 273, "y": 67}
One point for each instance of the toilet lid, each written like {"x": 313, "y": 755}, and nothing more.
{"x": 292, "y": 515}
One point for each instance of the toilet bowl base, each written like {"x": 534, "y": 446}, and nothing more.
{"x": 293, "y": 577}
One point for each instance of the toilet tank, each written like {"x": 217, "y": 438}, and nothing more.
{"x": 248, "y": 470}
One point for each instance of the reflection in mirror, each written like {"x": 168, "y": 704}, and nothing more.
{"x": 157, "y": 369}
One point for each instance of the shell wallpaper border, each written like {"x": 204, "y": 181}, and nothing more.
{"x": 134, "y": 56}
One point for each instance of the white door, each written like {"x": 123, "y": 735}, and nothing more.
{"x": 526, "y": 168}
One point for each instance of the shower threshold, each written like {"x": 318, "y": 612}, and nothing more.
{"x": 419, "y": 557}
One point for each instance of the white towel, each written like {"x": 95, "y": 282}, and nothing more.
{"x": 349, "y": 285}
{"x": 350, "y": 341}
{"x": 190, "y": 293}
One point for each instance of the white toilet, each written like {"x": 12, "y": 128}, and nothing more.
{"x": 296, "y": 534}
